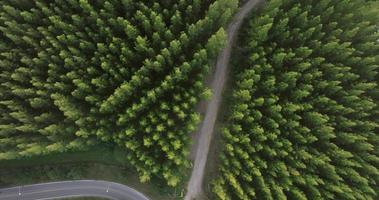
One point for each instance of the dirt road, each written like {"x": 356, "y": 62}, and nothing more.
{"x": 194, "y": 188}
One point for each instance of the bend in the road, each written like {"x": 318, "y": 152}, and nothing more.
{"x": 66, "y": 189}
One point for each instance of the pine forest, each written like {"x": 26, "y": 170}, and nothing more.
{"x": 304, "y": 118}
{"x": 78, "y": 72}
{"x": 190, "y": 99}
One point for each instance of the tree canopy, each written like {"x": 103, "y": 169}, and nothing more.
{"x": 304, "y": 117}
{"x": 76, "y": 73}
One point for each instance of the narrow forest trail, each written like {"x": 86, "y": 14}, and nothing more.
{"x": 194, "y": 188}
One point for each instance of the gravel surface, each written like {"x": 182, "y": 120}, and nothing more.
{"x": 194, "y": 188}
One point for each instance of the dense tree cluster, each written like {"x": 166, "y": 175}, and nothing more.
{"x": 77, "y": 72}
{"x": 304, "y": 123}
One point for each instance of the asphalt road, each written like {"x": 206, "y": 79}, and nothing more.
{"x": 65, "y": 189}
{"x": 194, "y": 188}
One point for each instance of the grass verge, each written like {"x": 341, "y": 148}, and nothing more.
{"x": 99, "y": 163}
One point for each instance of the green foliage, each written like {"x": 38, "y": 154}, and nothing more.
{"x": 207, "y": 94}
{"x": 76, "y": 73}
{"x": 304, "y": 122}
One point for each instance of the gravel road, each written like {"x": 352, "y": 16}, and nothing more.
{"x": 194, "y": 188}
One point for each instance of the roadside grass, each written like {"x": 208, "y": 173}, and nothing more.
{"x": 101, "y": 153}
{"x": 99, "y": 163}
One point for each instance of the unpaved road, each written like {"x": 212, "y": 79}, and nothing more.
{"x": 194, "y": 188}
{"x": 66, "y": 189}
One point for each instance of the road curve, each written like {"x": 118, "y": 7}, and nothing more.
{"x": 194, "y": 188}
{"x": 65, "y": 189}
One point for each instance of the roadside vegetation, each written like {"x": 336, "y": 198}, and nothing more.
{"x": 304, "y": 114}
{"x": 80, "y": 73}
{"x": 98, "y": 163}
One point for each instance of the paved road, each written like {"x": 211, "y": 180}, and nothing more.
{"x": 65, "y": 189}
{"x": 194, "y": 188}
